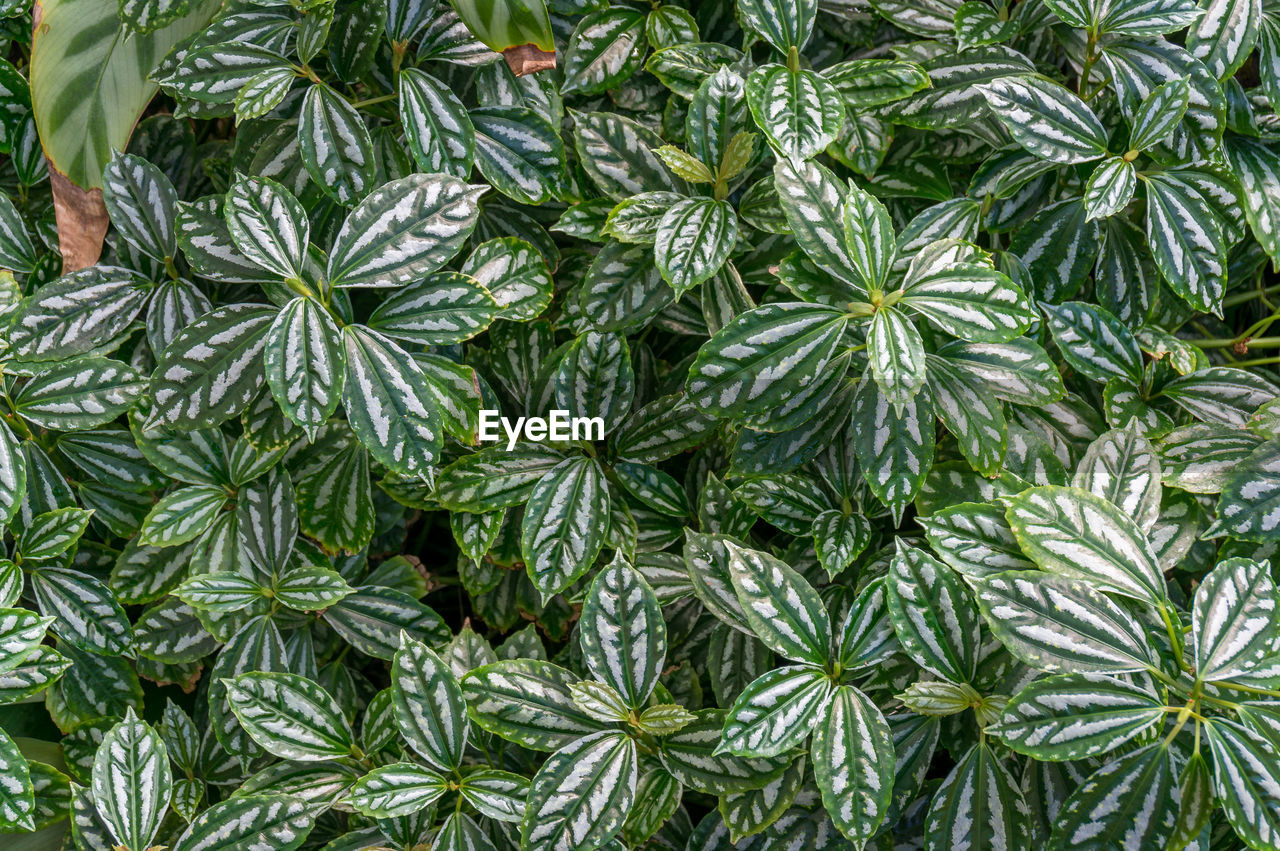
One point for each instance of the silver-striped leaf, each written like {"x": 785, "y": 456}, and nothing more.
{"x": 622, "y": 632}
{"x": 580, "y": 796}
{"x": 776, "y": 712}
{"x": 564, "y": 524}
{"x": 396, "y": 790}
{"x": 1234, "y": 626}
{"x": 142, "y": 204}
{"x": 895, "y": 450}
{"x": 249, "y": 823}
{"x": 1046, "y": 119}
{"x": 388, "y": 405}
{"x": 1075, "y": 716}
{"x": 693, "y": 240}
{"x": 933, "y": 614}
{"x": 442, "y": 309}
{"x": 1128, "y": 802}
{"x": 1122, "y": 467}
{"x": 896, "y": 352}
{"x": 978, "y": 806}
{"x": 290, "y": 716}
{"x": 192, "y": 390}
{"x": 853, "y": 763}
{"x": 436, "y": 125}
{"x": 800, "y": 112}
{"x": 429, "y": 705}
{"x": 781, "y": 607}
{"x": 334, "y": 145}
{"x": 1061, "y": 624}
{"x": 403, "y": 230}
{"x": 131, "y": 782}
{"x": 78, "y": 394}
{"x": 1078, "y": 535}
{"x": 529, "y": 702}
{"x": 744, "y": 368}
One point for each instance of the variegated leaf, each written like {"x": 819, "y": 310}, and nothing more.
{"x": 579, "y": 798}
{"x": 1234, "y": 627}
{"x": 436, "y": 125}
{"x": 933, "y": 615}
{"x": 564, "y": 524}
{"x": 402, "y": 231}
{"x": 776, "y": 712}
{"x": 1078, "y": 535}
{"x": 1046, "y": 119}
{"x": 190, "y": 389}
{"x": 853, "y": 763}
{"x": 623, "y": 635}
{"x": 1074, "y": 716}
{"x": 1062, "y": 624}
{"x": 304, "y": 363}
{"x": 290, "y": 716}
{"x": 429, "y": 705}
{"x": 387, "y": 403}
{"x": 132, "y": 782}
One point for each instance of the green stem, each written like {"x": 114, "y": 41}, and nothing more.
{"x": 1252, "y": 689}
{"x": 1175, "y": 640}
{"x": 1226, "y": 343}
{"x": 1258, "y": 362}
{"x": 1241, "y": 298}
{"x": 1090, "y": 56}
{"x": 1184, "y": 714}
{"x": 371, "y": 101}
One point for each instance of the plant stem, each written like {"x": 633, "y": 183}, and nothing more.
{"x": 1269, "y": 692}
{"x": 371, "y": 101}
{"x": 1175, "y": 640}
{"x": 1225, "y": 342}
{"x": 1258, "y": 362}
{"x": 1241, "y": 298}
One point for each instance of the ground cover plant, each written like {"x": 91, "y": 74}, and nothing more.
{"x": 933, "y": 495}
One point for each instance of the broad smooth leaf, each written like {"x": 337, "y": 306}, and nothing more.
{"x": 623, "y": 635}
{"x": 290, "y": 716}
{"x": 132, "y": 782}
{"x": 429, "y": 705}
{"x": 579, "y": 798}
{"x": 1062, "y": 624}
{"x": 853, "y": 763}
{"x": 1075, "y": 534}
{"x": 781, "y": 607}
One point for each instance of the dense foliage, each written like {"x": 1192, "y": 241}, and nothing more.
{"x": 940, "y": 478}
